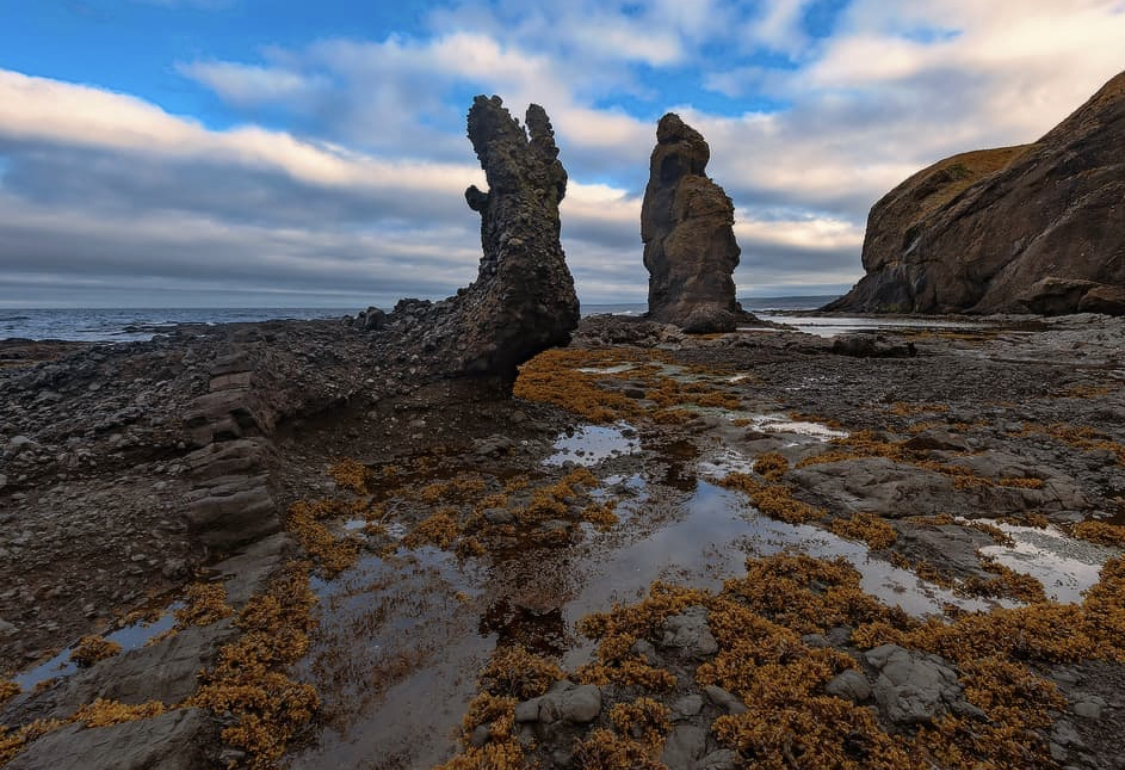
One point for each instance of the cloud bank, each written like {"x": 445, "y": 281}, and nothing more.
{"x": 336, "y": 175}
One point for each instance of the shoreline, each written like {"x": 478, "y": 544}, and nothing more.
{"x": 980, "y": 391}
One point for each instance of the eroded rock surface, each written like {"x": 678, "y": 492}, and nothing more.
{"x": 687, "y": 225}
{"x": 523, "y": 299}
{"x": 1035, "y": 228}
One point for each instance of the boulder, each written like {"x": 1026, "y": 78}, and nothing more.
{"x": 687, "y": 225}
{"x": 913, "y": 688}
{"x": 1034, "y": 228}
{"x": 689, "y": 633}
{"x": 564, "y": 702}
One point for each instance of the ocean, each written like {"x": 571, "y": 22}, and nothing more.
{"x": 132, "y": 324}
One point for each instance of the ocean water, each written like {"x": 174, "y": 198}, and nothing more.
{"x": 131, "y": 324}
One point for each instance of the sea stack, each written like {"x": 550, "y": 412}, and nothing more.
{"x": 1037, "y": 228}
{"x": 523, "y": 300}
{"x": 687, "y": 225}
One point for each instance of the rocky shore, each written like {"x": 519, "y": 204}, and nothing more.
{"x": 343, "y": 538}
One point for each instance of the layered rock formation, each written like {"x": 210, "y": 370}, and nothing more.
{"x": 1037, "y": 228}
{"x": 687, "y": 225}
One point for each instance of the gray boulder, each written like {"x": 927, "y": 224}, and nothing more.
{"x": 914, "y": 688}
{"x": 689, "y": 633}
{"x": 565, "y": 702}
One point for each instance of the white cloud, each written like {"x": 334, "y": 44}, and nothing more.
{"x": 372, "y": 186}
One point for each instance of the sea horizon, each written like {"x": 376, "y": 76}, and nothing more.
{"x": 107, "y": 324}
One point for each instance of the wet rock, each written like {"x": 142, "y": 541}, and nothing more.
{"x": 480, "y": 736}
{"x": 173, "y": 741}
{"x": 850, "y": 685}
{"x": 167, "y": 672}
{"x": 687, "y": 225}
{"x": 1064, "y": 733}
{"x": 689, "y": 633}
{"x": 565, "y": 702}
{"x": 870, "y": 346}
{"x": 372, "y": 319}
{"x": 724, "y": 700}
{"x": 934, "y": 439}
{"x": 723, "y": 759}
{"x": 684, "y": 747}
{"x": 913, "y": 688}
{"x": 647, "y": 651}
{"x": 1089, "y": 706}
{"x": 7, "y": 629}
{"x": 879, "y": 486}
{"x": 687, "y": 707}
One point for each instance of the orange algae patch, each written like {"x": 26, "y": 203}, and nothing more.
{"x": 1007, "y": 583}
{"x": 103, "y": 712}
{"x": 513, "y": 674}
{"x": 461, "y": 489}
{"x": 866, "y": 528}
{"x": 91, "y": 649}
{"x": 605, "y": 750}
{"x": 645, "y": 720}
{"x": 553, "y": 377}
{"x": 620, "y": 628}
{"x": 8, "y": 690}
{"x": 304, "y": 522}
{"x": 773, "y": 500}
{"x": 601, "y": 515}
{"x": 13, "y": 742}
{"x": 350, "y": 474}
{"x": 441, "y": 530}
{"x": 1043, "y": 632}
{"x": 513, "y": 671}
{"x": 249, "y": 684}
{"x": 1079, "y": 437}
{"x": 771, "y": 466}
{"x": 1100, "y": 533}
{"x": 672, "y": 416}
{"x": 205, "y": 603}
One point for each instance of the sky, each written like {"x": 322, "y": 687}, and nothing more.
{"x": 289, "y": 153}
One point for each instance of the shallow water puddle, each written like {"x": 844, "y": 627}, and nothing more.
{"x": 590, "y": 445}
{"x": 393, "y": 660}
{"x": 1065, "y": 566}
{"x": 619, "y": 369}
{"x": 832, "y": 326}
{"x": 130, "y": 637}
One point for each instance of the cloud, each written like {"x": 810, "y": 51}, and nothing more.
{"x": 363, "y": 194}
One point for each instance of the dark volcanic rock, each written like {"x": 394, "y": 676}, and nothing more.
{"x": 523, "y": 300}
{"x": 687, "y": 228}
{"x": 1035, "y": 228}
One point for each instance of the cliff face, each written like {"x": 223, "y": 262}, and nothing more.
{"x": 687, "y": 226}
{"x": 1036, "y": 228}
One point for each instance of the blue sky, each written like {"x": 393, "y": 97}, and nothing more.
{"x": 254, "y": 152}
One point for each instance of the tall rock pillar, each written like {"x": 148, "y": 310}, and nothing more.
{"x": 687, "y": 225}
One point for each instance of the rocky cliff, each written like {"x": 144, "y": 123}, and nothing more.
{"x": 1036, "y": 228}
{"x": 687, "y": 228}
